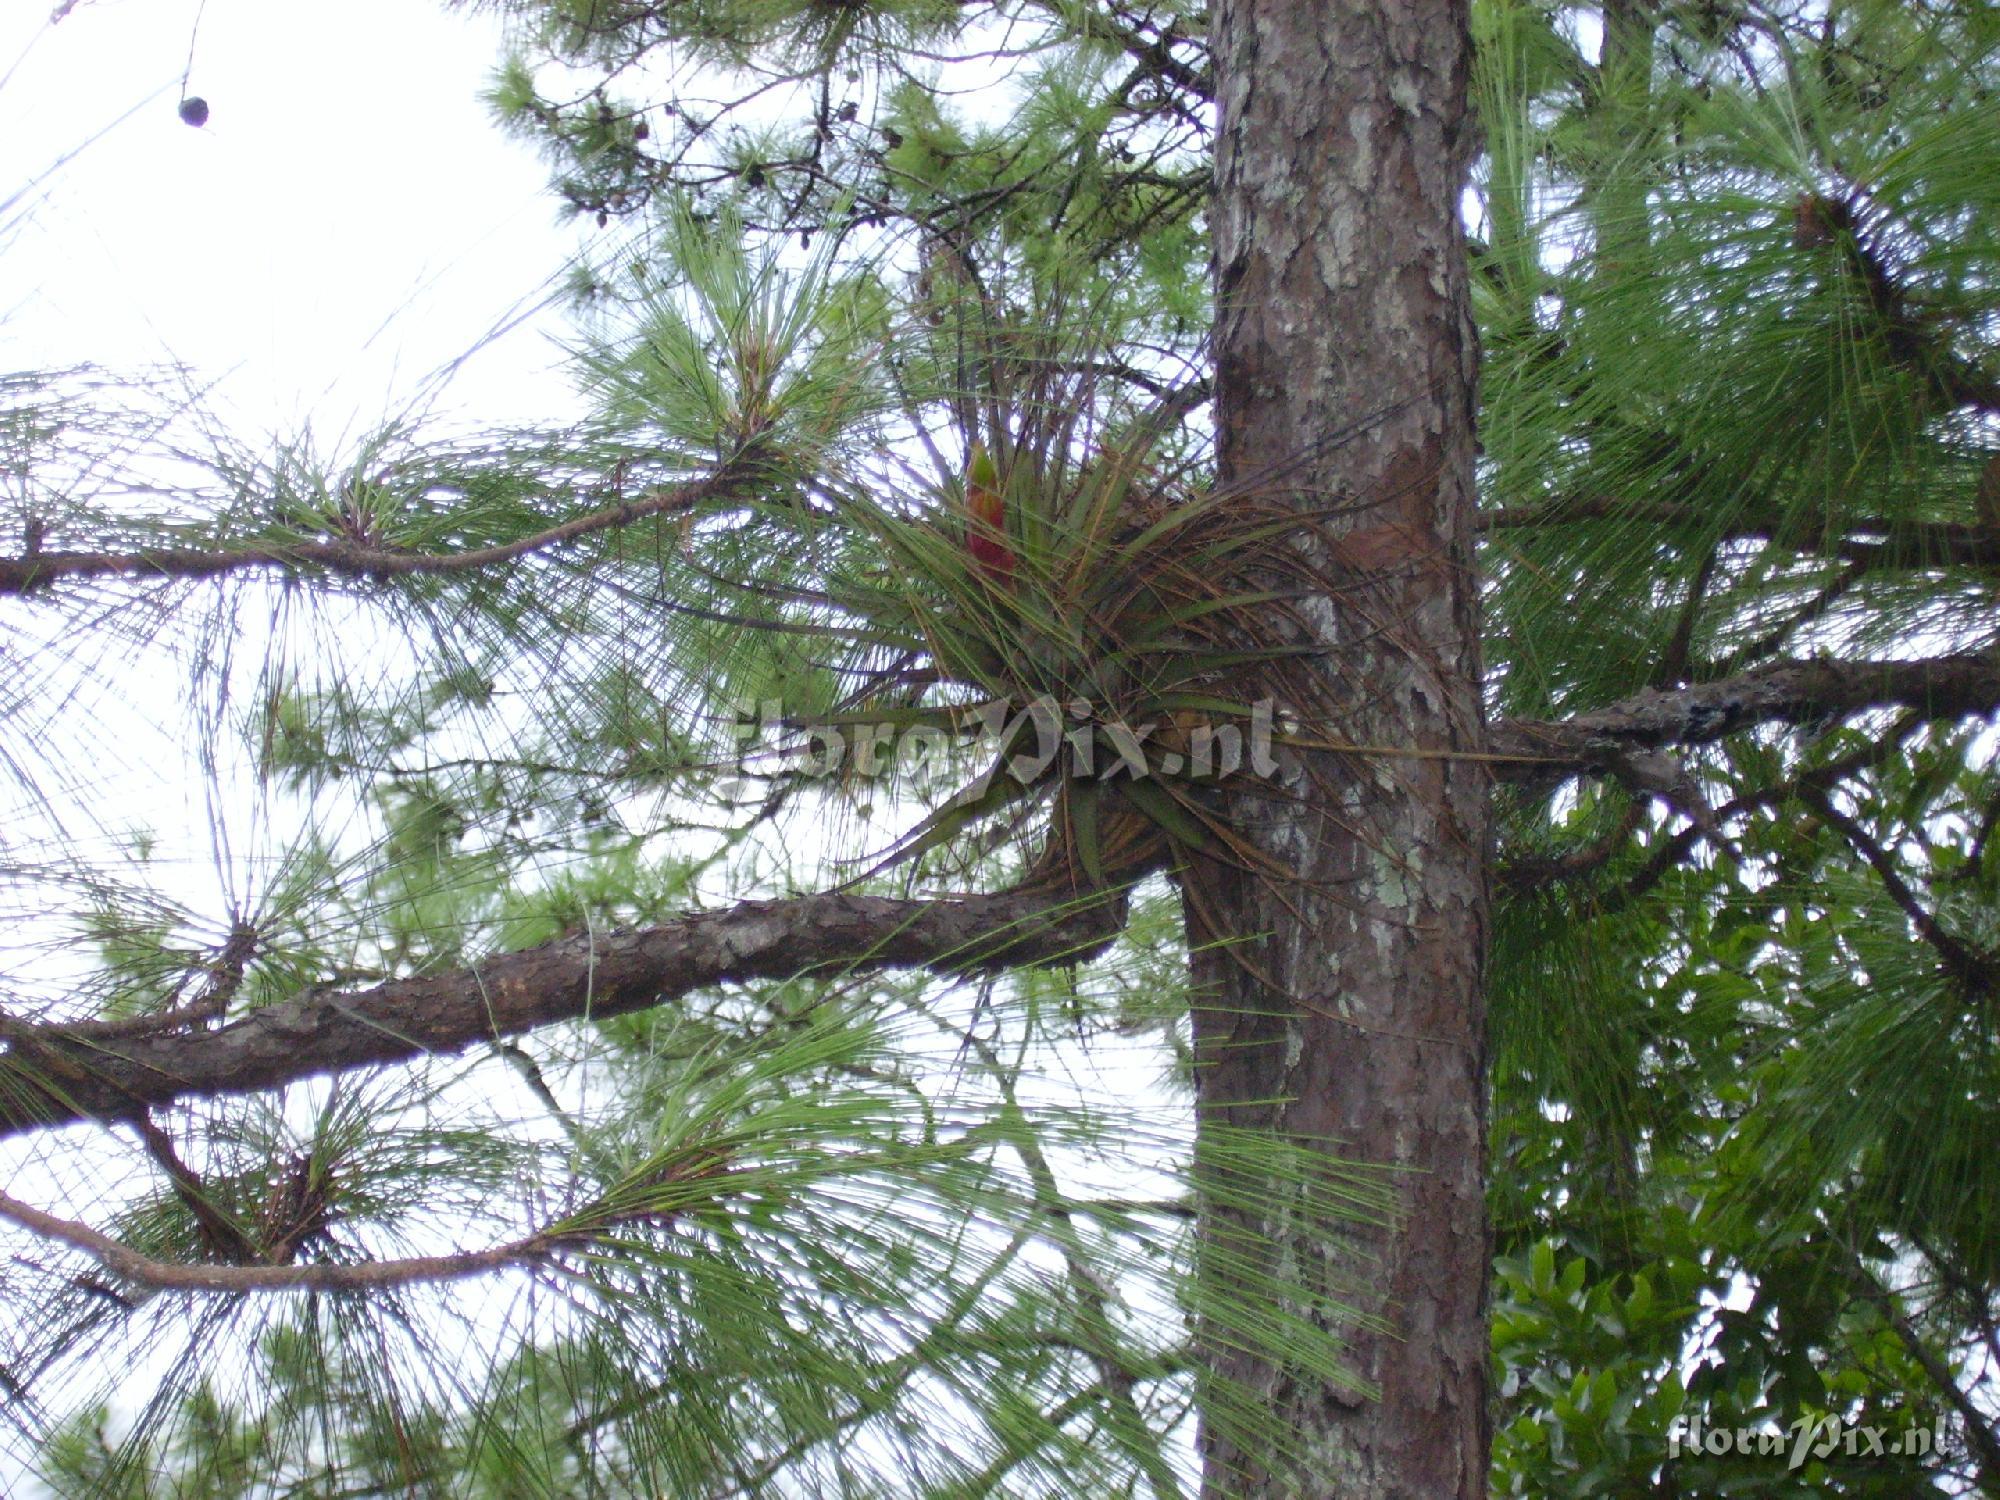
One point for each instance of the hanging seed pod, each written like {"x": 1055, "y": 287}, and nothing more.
{"x": 194, "y": 111}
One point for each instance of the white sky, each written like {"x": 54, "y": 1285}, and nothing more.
{"x": 349, "y": 220}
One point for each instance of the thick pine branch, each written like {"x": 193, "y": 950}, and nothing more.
{"x": 1783, "y": 692}
{"x": 52, "y": 1075}
{"x": 48, "y": 1077}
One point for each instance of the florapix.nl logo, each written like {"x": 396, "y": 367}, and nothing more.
{"x": 1826, "y": 1438}
{"x": 1027, "y": 740}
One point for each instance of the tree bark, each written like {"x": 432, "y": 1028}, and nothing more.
{"x": 53, "y": 1074}
{"x": 1347, "y": 1013}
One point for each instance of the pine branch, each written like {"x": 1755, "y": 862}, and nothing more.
{"x": 1816, "y": 608}
{"x": 1530, "y": 872}
{"x": 1852, "y": 225}
{"x": 51, "y": 1074}
{"x": 1782, "y": 692}
{"x": 1982, "y": 1434}
{"x": 1099, "y": 1342}
{"x": 1154, "y": 54}
{"x": 36, "y": 569}
{"x": 144, "y": 1270}
{"x": 1966, "y": 964}
{"x": 218, "y": 1230}
{"x": 1866, "y": 541}
{"x": 1667, "y": 854}
{"x": 50, "y": 1077}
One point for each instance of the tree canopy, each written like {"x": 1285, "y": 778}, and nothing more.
{"x": 601, "y": 961}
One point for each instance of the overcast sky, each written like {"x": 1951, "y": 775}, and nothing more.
{"x": 348, "y": 221}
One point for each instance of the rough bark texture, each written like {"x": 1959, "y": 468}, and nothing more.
{"x": 1778, "y": 692}
{"x": 1341, "y": 286}
{"x": 51, "y": 1075}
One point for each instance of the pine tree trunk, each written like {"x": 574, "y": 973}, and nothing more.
{"x": 1341, "y": 285}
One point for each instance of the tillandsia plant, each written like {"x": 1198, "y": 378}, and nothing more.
{"x": 1116, "y": 626}
{"x": 1096, "y": 631}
